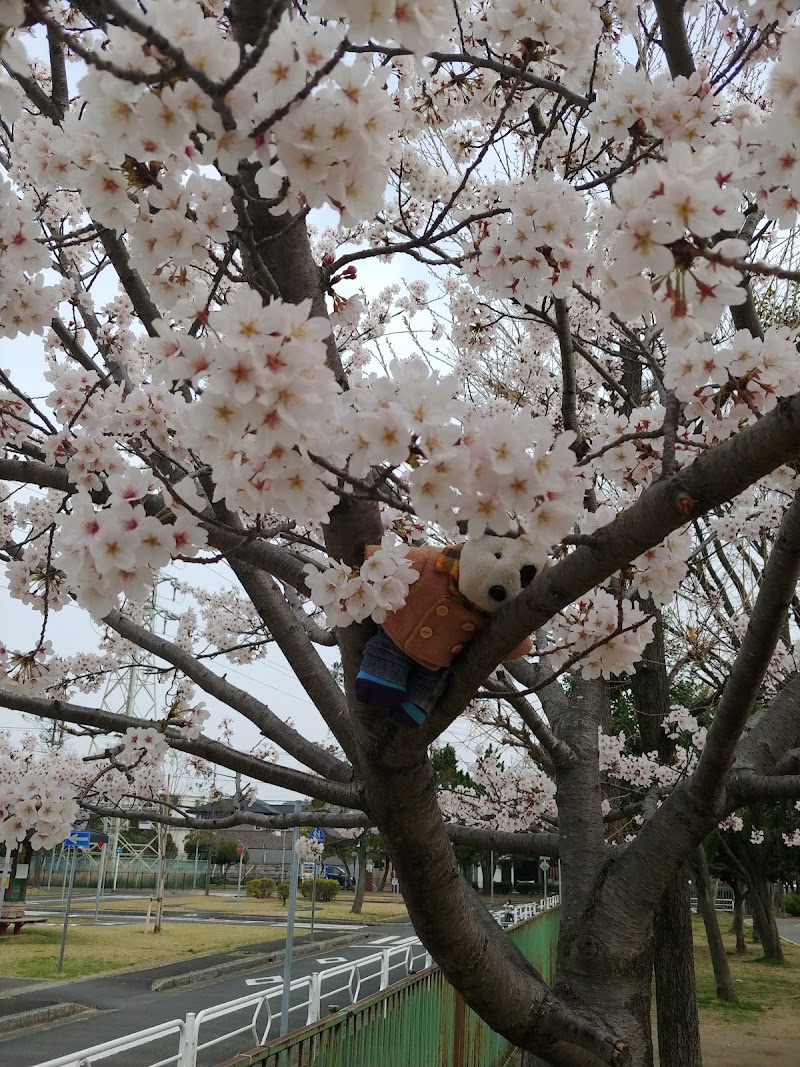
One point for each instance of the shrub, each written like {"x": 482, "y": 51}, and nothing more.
{"x": 503, "y": 888}
{"x": 261, "y": 888}
{"x": 282, "y": 889}
{"x": 792, "y": 904}
{"x": 327, "y": 888}
{"x": 527, "y": 889}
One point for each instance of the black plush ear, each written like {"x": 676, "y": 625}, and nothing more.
{"x": 527, "y": 574}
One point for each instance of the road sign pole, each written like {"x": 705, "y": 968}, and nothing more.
{"x": 287, "y": 959}
{"x": 74, "y": 852}
{"x": 240, "y": 850}
{"x": 101, "y": 866}
{"x": 313, "y": 898}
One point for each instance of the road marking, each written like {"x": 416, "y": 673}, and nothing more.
{"x": 385, "y": 940}
{"x": 331, "y": 959}
{"x": 270, "y": 980}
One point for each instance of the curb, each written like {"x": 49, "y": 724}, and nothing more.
{"x": 37, "y": 1016}
{"x": 253, "y": 963}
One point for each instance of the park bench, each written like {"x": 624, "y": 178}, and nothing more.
{"x": 17, "y": 924}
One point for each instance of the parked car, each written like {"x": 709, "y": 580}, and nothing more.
{"x": 340, "y": 875}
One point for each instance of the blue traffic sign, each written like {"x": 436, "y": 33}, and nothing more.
{"x": 317, "y": 834}
{"x": 78, "y": 839}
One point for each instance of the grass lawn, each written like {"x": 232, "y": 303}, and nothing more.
{"x": 764, "y": 1027}
{"x": 761, "y": 986}
{"x": 94, "y": 949}
{"x": 376, "y": 905}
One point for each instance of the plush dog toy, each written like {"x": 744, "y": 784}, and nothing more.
{"x": 458, "y": 590}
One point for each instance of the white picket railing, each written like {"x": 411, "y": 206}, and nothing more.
{"x": 410, "y": 954}
{"x": 89, "y": 1056}
{"x": 517, "y": 913}
{"x": 721, "y": 903}
{"x": 260, "y": 1006}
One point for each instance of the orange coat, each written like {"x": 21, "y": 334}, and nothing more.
{"x": 436, "y": 621}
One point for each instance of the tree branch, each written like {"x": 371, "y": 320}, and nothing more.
{"x": 346, "y": 795}
{"x": 714, "y": 477}
{"x": 746, "y": 787}
{"x": 781, "y": 574}
{"x": 302, "y": 657}
{"x": 259, "y": 714}
{"x": 243, "y": 817}
{"x": 524, "y": 843}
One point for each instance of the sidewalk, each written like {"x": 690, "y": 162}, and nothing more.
{"x": 22, "y": 994}
{"x": 111, "y": 988}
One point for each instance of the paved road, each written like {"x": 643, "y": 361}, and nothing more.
{"x": 124, "y": 1004}
{"x": 789, "y": 929}
{"x": 116, "y": 912}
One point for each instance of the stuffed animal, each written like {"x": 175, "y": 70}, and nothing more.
{"x": 458, "y": 590}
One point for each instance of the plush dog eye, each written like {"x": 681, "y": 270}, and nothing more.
{"x": 527, "y": 574}
{"x": 498, "y": 555}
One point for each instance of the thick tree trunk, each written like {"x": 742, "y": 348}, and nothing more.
{"x": 38, "y": 868}
{"x": 705, "y": 905}
{"x": 764, "y": 917}
{"x": 358, "y": 902}
{"x": 384, "y": 874}
{"x": 676, "y": 994}
{"x": 737, "y": 927}
{"x": 604, "y": 967}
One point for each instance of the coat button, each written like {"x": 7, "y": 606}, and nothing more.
{"x": 456, "y": 649}
{"x": 442, "y": 610}
{"x": 426, "y": 631}
{"x": 468, "y": 627}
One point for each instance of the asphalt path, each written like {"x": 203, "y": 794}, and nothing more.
{"x": 124, "y": 1004}
{"x": 789, "y": 929}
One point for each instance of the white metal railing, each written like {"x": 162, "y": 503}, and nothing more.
{"x": 721, "y": 903}
{"x": 345, "y": 978}
{"x": 260, "y": 1007}
{"x": 517, "y": 913}
{"x": 123, "y": 1044}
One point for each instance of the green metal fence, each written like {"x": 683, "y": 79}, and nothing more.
{"x": 419, "y": 1022}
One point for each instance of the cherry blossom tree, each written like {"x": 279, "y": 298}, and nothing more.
{"x": 573, "y": 225}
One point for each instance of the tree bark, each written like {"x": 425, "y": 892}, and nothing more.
{"x": 738, "y": 920}
{"x": 764, "y": 917}
{"x": 384, "y": 874}
{"x": 600, "y": 969}
{"x": 676, "y": 992}
{"x": 705, "y": 905}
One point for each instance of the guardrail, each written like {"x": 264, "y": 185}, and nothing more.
{"x": 420, "y": 1020}
{"x": 89, "y": 1056}
{"x": 516, "y": 913}
{"x": 346, "y": 978}
{"x": 405, "y": 957}
{"x": 315, "y": 983}
{"x": 720, "y": 904}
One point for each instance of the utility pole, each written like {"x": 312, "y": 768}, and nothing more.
{"x": 287, "y": 959}
{"x": 162, "y": 868}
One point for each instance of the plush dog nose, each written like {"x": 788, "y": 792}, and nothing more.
{"x": 497, "y": 592}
